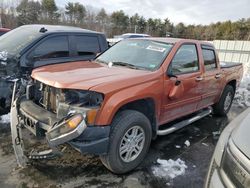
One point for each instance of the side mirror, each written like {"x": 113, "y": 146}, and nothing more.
{"x": 178, "y": 88}
{"x": 170, "y": 72}
{"x": 170, "y": 75}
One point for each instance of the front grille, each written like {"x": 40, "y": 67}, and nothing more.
{"x": 46, "y": 96}
{"x": 31, "y": 124}
{"x": 235, "y": 170}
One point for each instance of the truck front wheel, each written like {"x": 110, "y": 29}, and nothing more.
{"x": 130, "y": 138}
{"x": 223, "y": 106}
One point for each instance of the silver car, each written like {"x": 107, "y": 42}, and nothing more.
{"x": 230, "y": 164}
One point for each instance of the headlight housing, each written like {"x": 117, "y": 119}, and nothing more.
{"x": 82, "y": 98}
{"x": 66, "y": 130}
{"x": 77, "y": 101}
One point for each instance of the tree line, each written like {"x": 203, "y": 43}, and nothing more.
{"x": 14, "y": 13}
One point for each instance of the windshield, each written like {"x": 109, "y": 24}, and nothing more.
{"x": 16, "y": 40}
{"x": 146, "y": 54}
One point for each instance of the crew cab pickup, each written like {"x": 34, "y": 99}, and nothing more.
{"x": 115, "y": 105}
{"x": 31, "y": 46}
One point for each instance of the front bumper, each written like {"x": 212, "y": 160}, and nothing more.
{"x": 39, "y": 121}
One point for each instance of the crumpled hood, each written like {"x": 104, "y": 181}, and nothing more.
{"x": 88, "y": 75}
{"x": 241, "y": 136}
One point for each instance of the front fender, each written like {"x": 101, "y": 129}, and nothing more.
{"x": 113, "y": 102}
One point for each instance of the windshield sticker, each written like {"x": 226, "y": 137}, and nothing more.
{"x": 156, "y": 48}
{"x": 132, "y": 44}
{"x": 152, "y": 65}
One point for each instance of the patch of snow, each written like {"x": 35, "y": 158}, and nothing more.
{"x": 216, "y": 133}
{"x": 242, "y": 95}
{"x": 3, "y": 55}
{"x": 204, "y": 144}
{"x": 169, "y": 168}
{"x": 177, "y": 146}
{"x": 168, "y": 184}
{"x": 5, "y": 118}
{"x": 187, "y": 143}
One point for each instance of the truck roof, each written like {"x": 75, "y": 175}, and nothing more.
{"x": 174, "y": 40}
{"x": 57, "y": 28}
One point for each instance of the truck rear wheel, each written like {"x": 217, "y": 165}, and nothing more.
{"x": 223, "y": 106}
{"x": 130, "y": 138}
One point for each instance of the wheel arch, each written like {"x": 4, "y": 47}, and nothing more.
{"x": 146, "y": 106}
{"x": 232, "y": 83}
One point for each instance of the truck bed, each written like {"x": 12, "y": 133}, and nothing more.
{"x": 229, "y": 64}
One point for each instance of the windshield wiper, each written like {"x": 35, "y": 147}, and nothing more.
{"x": 101, "y": 61}
{"x": 127, "y": 65}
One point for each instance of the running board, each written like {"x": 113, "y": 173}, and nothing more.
{"x": 186, "y": 122}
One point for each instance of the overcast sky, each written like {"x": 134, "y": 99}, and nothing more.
{"x": 187, "y": 11}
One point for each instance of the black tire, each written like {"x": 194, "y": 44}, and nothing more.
{"x": 124, "y": 122}
{"x": 220, "y": 108}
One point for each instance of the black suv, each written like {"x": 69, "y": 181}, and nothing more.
{"x": 31, "y": 46}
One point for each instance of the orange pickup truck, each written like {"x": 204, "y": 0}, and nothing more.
{"x": 115, "y": 105}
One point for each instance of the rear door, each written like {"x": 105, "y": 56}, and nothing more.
{"x": 212, "y": 77}
{"x": 186, "y": 66}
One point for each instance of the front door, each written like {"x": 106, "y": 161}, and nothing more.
{"x": 182, "y": 94}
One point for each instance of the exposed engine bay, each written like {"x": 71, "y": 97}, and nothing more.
{"x": 60, "y": 101}
{"x": 59, "y": 116}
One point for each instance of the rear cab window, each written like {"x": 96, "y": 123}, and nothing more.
{"x": 209, "y": 58}
{"x": 87, "y": 45}
{"x": 185, "y": 60}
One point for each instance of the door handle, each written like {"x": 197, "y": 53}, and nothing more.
{"x": 217, "y": 76}
{"x": 199, "y": 78}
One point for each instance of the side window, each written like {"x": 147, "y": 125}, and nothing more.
{"x": 185, "y": 60}
{"x": 209, "y": 59}
{"x": 86, "y": 45}
{"x": 54, "y": 47}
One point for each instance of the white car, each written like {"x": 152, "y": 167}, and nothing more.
{"x": 126, "y": 36}
{"x": 230, "y": 164}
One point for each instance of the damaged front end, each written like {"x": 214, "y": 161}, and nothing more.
{"x": 9, "y": 73}
{"x": 59, "y": 116}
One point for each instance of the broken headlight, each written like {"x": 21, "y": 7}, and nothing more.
{"x": 84, "y": 102}
{"x": 66, "y": 130}
{"x": 82, "y": 98}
